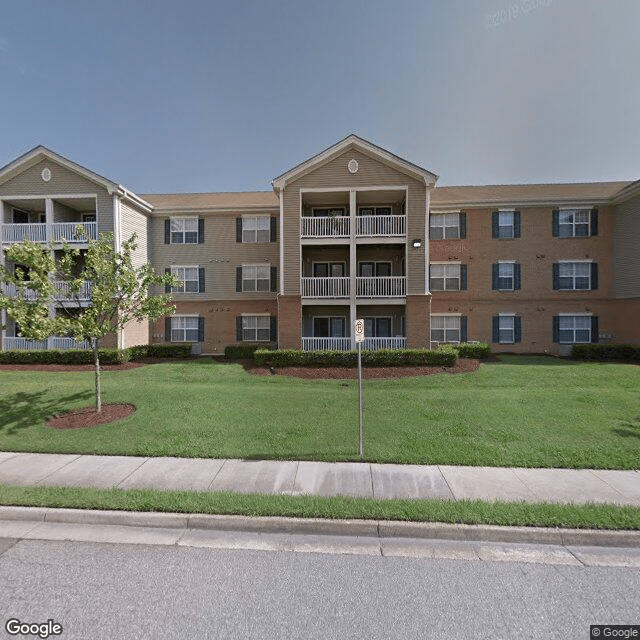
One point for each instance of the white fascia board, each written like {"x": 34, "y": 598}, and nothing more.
{"x": 507, "y": 205}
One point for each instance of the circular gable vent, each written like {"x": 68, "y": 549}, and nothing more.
{"x": 353, "y": 166}
{"x": 46, "y": 174}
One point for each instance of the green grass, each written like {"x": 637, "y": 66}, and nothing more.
{"x": 589, "y": 516}
{"x": 520, "y": 411}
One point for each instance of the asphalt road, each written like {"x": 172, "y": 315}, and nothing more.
{"x": 138, "y": 591}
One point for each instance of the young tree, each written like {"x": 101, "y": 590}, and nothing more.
{"x": 44, "y": 294}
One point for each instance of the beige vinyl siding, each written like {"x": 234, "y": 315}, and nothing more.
{"x": 63, "y": 181}
{"x": 133, "y": 221}
{"x": 219, "y": 255}
{"x": 626, "y": 257}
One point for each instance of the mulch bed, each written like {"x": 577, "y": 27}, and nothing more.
{"x": 87, "y": 417}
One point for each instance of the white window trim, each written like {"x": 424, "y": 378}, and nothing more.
{"x": 184, "y": 315}
{"x": 513, "y": 329}
{"x": 257, "y": 315}
{"x": 255, "y": 217}
{"x": 446, "y": 315}
{"x": 256, "y": 290}
{"x": 448, "y": 262}
{"x": 513, "y": 275}
{"x": 182, "y": 219}
{"x": 580, "y": 261}
{"x": 573, "y": 224}
{"x": 512, "y": 226}
{"x": 575, "y": 315}
{"x": 185, "y": 266}
{"x": 443, "y": 226}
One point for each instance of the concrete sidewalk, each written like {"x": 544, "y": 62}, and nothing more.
{"x": 324, "y": 478}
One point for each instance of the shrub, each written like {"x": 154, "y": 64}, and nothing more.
{"x": 143, "y": 351}
{"x": 242, "y": 351}
{"x": 602, "y": 352}
{"x": 380, "y": 358}
{"x": 68, "y": 356}
{"x": 479, "y": 350}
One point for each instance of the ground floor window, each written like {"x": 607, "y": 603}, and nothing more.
{"x": 256, "y": 328}
{"x": 329, "y": 327}
{"x": 377, "y": 327}
{"x": 506, "y": 329}
{"x": 575, "y": 329}
{"x": 184, "y": 329}
{"x": 445, "y": 328}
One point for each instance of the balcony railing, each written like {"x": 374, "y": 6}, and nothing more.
{"x": 381, "y": 287}
{"x": 71, "y": 232}
{"x": 374, "y": 344}
{"x": 380, "y": 226}
{"x": 54, "y": 342}
{"x": 325, "y": 287}
{"x": 63, "y": 292}
{"x": 325, "y": 227}
{"x": 324, "y": 344}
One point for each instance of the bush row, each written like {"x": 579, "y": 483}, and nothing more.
{"x": 478, "y": 350}
{"x": 242, "y": 351}
{"x": 85, "y": 356}
{"x": 380, "y": 358}
{"x": 605, "y": 352}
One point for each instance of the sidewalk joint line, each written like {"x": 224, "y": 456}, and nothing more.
{"x": 453, "y": 495}
{"x": 217, "y": 473}
{"x": 66, "y": 464}
{"x": 144, "y": 461}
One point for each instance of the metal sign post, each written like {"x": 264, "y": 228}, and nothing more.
{"x": 359, "y": 334}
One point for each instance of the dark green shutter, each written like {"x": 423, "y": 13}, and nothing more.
{"x": 274, "y": 278}
{"x": 167, "y": 231}
{"x": 517, "y": 329}
{"x": 594, "y": 222}
{"x": 463, "y": 277}
{"x": 463, "y": 328}
{"x": 495, "y": 231}
{"x": 594, "y": 276}
{"x": 556, "y": 328}
{"x": 167, "y": 329}
{"x": 238, "y": 328}
{"x": 200, "y": 329}
{"x": 516, "y": 224}
{"x": 238, "y": 229}
{"x": 496, "y": 329}
{"x": 463, "y": 225}
{"x": 238, "y": 279}
{"x": 201, "y": 280}
{"x": 555, "y": 223}
{"x": 516, "y": 276}
{"x": 494, "y": 276}
{"x": 167, "y": 288}
{"x": 273, "y": 229}
{"x": 200, "y": 230}
{"x": 273, "y": 336}
{"x": 556, "y": 275}
{"x": 594, "y": 328}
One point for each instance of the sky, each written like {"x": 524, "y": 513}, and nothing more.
{"x": 167, "y": 96}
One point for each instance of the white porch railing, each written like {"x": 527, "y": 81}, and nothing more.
{"x": 63, "y": 291}
{"x": 54, "y": 342}
{"x": 325, "y": 287}
{"x": 10, "y": 290}
{"x": 384, "y": 343}
{"x": 324, "y": 344}
{"x": 380, "y": 225}
{"x": 381, "y": 287}
{"x": 325, "y": 227}
{"x": 68, "y": 231}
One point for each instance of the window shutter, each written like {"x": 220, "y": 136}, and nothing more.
{"x": 463, "y": 225}
{"x": 238, "y": 229}
{"x": 495, "y": 216}
{"x": 463, "y": 277}
{"x": 239, "y": 279}
{"x": 238, "y": 328}
{"x": 517, "y": 329}
{"x": 555, "y": 223}
{"x": 273, "y": 336}
{"x": 516, "y": 224}
{"x": 594, "y": 276}
{"x": 200, "y": 230}
{"x": 516, "y": 276}
{"x": 167, "y": 231}
{"x": 201, "y": 280}
{"x": 594, "y": 328}
{"x": 167, "y": 329}
{"x": 200, "y": 329}
{"x": 167, "y": 288}
{"x": 594, "y": 222}
{"x": 556, "y": 328}
{"x": 274, "y": 229}
{"x": 274, "y": 278}
{"x": 556, "y": 275}
{"x": 463, "y": 328}
{"x": 494, "y": 276}
{"x": 496, "y": 329}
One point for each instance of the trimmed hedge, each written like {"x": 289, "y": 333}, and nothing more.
{"x": 243, "y": 351}
{"x": 602, "y": 352}
{"x": 380, "y": 358}
{"x": 479, "y": 351}
{"x": 143, "y": 351}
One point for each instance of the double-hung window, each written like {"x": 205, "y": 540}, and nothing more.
{"x": 256, "y": 278}
{"x": 256, "y": 328}
{"x": 447, "y": 226}
{"x": 184, "y": 329}
{"x": 256, "y": 229}
{"x": 573, "y": 223}
{"x": 575, "y": 276}
{"x": 447, "y": 276}
{"x": 183, "y": 230}
{"x": 506, "y": 276}
{"x": 445, "y": 328}
{"x": 505, "y": 224}
{"x": 189, "y": 279}
{"x": 574, "y": 329}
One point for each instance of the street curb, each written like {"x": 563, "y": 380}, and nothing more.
{"x": 316, "y": 526}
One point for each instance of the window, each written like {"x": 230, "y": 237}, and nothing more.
{"x": 506, "y": 328}
{"x": 374, "y": 269}
{"x": 505, "y": 224}
{"x": 575, "y": 329}
{"x": 329, "y": 269}
{"x": 445, "y": 328}
{"x": 185, "y": 328}
{"x": 333, "y": 212}
{"x": 447, "y": 277}
{"x": 256, "y": 278}
{"x": 377, "y": 327}
{"x": 329, "y": 327}
{"x": 189, "y": 278}
{"x": 447, "y": 226}
{"x": 255, "y": 228}
{"x": 575, "y": 276}
{"x": 183, "y": 230}
{"x": 575, "y": 223}
{"x": 256, "y": 328}
{"x": 506, "y": 276}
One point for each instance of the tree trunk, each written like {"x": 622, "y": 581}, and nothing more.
{"x": 96, "y": 360}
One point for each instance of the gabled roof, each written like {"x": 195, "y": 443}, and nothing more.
{"x": 366, "y": 147}
{"x": 189, "y": 202}
{"x": 40, "y": 153}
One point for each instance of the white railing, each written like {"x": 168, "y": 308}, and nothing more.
{"x": 325, "y": 287}
{"x": 380, "y": 225}
{"x": 384, "y": 343}
{"x": 55, "y": 342}
{"x": 63, "y": 291}
{"x": 67, "y": 231}
{"x": 325, "y": 227}
{"x": 324, "y": 344}
{"x": 19, "y": 232}
{"x": 74, "y": 231}
{"x": 381, "y": 287}
{"x": 10, "y": 290}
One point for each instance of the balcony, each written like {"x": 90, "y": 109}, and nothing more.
{"x": 366, "y": 227}
{"x": 325, "y": 227}
{"x": 325, "y": 287}
{"x": 381, "y": 287}
{"x": 380, "y": 226}
{"x": 54, "y": 342}
{"x": 63, "y": 292}
{"x": 344, "y": 344}
{"x": 71, "y": 232}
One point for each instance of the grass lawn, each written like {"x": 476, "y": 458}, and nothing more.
{"x": 520, "y": 411}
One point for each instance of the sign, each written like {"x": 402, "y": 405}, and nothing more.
{"x": 359, "y": 331}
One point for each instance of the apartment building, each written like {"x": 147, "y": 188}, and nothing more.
{"x": 355, "y": 232}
